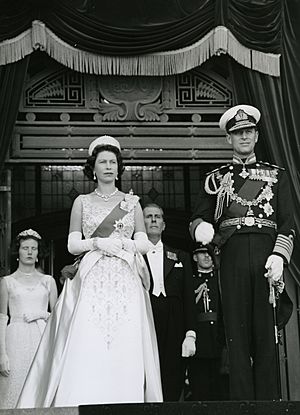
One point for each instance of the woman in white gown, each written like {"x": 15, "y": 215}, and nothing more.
{"x": 26, "y": 295}
{"x": 100, "y": 345}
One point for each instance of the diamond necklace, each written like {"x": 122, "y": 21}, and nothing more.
{"x": 105, "y": 197}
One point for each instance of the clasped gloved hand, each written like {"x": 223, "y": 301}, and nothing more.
{"x": 140, "y": 243}
{"x": 111, "y": 246}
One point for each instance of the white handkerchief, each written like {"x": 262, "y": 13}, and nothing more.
{"x": 178, "y": 265}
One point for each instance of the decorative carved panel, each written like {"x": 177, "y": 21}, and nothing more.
{"x": 62, "y": 88}
{"x": 156, "y": 119}
{"x": 200, "y": 90}
{"x": 130, "y": 98}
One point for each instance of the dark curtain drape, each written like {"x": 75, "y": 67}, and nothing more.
{"x": 12, "y": 78}
{"x": 290, "y": 81}
{"x": 273, "y": 145}
{"x": 131, "y": 27}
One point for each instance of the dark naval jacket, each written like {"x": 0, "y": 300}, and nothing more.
{"x": 248, "y": 198}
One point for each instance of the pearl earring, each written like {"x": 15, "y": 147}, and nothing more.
{"x": 95, "y": 177}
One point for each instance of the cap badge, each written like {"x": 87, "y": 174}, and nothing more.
{"x": 241, "y": 116}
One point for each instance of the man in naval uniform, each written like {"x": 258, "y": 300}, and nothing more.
{"x": 246, "y": 209}
{"x": 172, "y": 299}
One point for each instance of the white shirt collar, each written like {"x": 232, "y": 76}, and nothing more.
{"x": 156, "y": 247}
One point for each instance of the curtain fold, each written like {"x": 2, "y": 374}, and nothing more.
{"x": 258, "y": 24}
{"x": 95, "y": 36}
{"x": 290, "y": 80}
{"x": 15, "y": 18}
{"x": 278, "y": 142}
{"x": 252, "y": 34}
{"x": 12, "y": 78}
{"x": 255, "y": 26}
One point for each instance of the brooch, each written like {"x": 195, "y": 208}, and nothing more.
{"x": 129, "y": 202}
{"x": 119, "y": 225}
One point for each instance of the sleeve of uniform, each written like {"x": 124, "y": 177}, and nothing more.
{"x": 285, "y": 220}
{"x": 188, "y": 295}
{"x": 204, "y": 210}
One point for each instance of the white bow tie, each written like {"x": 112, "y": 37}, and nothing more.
{"x": 156, "y": 248}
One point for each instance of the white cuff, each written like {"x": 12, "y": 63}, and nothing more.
{"x": 191, "y": 333}
{"x": 141, "y": 242}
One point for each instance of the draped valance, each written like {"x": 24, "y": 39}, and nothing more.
{"x": 81, "y": 36}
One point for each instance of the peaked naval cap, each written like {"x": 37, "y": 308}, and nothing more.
{"x": 199, "y": 247}
{"x": 238, "y": 117}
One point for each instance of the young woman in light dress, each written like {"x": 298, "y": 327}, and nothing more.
{"x": 25, "y": 295}
{"x": 100, "y": 340}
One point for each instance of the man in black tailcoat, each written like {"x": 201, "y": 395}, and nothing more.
{"x": 172, "y": 300}
{"x": 245, "y": 208}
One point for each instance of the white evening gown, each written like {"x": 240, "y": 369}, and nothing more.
{"x": 106, "y": 344}
{"x": 22, "y": 338}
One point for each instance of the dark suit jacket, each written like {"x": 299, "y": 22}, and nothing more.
{"x": 178, "y": 281}
{"x": 173, "y": 316}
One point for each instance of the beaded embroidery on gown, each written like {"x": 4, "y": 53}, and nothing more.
{"x": 22, "y": 338}
{"x": 108, "y": 354}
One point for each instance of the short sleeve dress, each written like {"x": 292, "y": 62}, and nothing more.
{"x": 22, "y": 338}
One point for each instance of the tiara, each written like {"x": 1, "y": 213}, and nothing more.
{"x": 102, "y": 141}
{"x": 29, "y": 232}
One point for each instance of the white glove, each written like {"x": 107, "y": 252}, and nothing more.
{"x": 139, "y": 244}
{"x": 4, "y": 364}
{"x": 4, "y": 361}
{"x": 189, "y": 344}
{"x": 29, "y": 317}
{"x": 274, "y": 267}
{"x": 77, "y": 245}
{"x": 204, "y": 232}
{"x": 111, "y": 246}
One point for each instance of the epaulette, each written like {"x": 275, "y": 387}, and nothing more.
{"x": 218, "y": 169}
{"x": 272, "y": 166}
